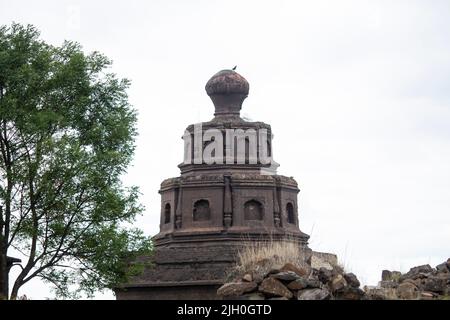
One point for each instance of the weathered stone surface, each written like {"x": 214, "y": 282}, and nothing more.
{"x": 298, "y": 284}
{"x": 291, "y": 267}
{"x": 395, "y": 275}
{"x": 273, "y": 287}
{"x": 278, "y": 298}
{"x": 388, "y": 284}
{"x": 420, "y": 276}
{"x": 414, "y": 276}
{"x": 350, "y": 293}
{"x": 317, "y": 263}
{"x": 374, "y": 294}
{"x": 427, "y": 295}
{"x": 261, "y": 270}
{"x": 314, "y": 294}
{"x": 319, "y": 259}
{"x": 338, "y": 283}
{"x": 324, "y": 275}
{"x": 274, "y": 271}
{"x": 313, "y": 283}
{"x": 352, "y": 280}
{"x": 379, "y": 293}
{"x": 337, "y": 270}
{"x": 445, "y": 276}
{"x": 434, "y": 284}
{"x": 247, "y": 277}
{"x": 416, "y": 282}
{"x": 257, "y": 277}
{"x": 414, "y": 285}
{"x": 426, "y": 268}
{"x": 232, "y": 289}
{"x": 407, "y": 290}
{"x": 386, "y": 275}
{"x": 286, "y": 276}
{"x": 252, "y": 296}
{"x": 442, "y": 267}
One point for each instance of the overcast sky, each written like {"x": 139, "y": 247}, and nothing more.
{"x": 357, "y": 93}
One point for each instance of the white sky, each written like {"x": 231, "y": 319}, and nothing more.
{"x": 357, "y": 93}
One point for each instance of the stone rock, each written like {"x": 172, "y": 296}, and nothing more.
{"x": 274, "y": 271}
{"x": 298, "y": 284}
{"x": 419, "y": 276}
{"x": 352, "y": 280}
{"x": 386, "y": 275}
{"x": 314, "y": 294}
{"x": 375, "y": 294}
{"x": 286, "y": 276}
{"x": 257, "y": 277}
{"x": 247, "y": 277}
{"x": 445, "y": 276}
{"x": 434, "y": 284}
{"x": 367, "y": 288}
{"x": 313, "y": 283}
{"x": 427, "y": 295}
{"x": 291, "y": 267}
{"x": 350, "y": 293}
{"x": 323, "y": 257}
{"x": 407, "y": 290}
{"x": 278, "y": 298}
{"x": 261, "y": 270}
{"x": 233, "y": 289}
{"x": 415, "y": 282}
{"x": 395, "y": 275}
{"x": 337, "y": 270}
{"x": 318, "y": 263}
{"x": 338, "y": 283}
{"x": 426, "y": 268}
{"x": 442, "y": 268}
{"x": 273, "y": 287}
{"x": 448, "y": 263}
{"x": 379, "y": 294}
{"x": 251, "y": 296}
{"x": 413, "y": 276}
{"x": 387, "y": 284}
{"x": 324, "y": 275}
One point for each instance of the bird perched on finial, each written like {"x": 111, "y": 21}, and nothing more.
{"x": 234, "y": 68}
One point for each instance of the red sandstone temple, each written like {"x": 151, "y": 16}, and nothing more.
{"x": 214, "y": 208}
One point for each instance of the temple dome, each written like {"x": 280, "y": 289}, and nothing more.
{"x": 227, "y": 90}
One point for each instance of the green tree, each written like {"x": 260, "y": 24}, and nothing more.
{"x": 66, "y": 137}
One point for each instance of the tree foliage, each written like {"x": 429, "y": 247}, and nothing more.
{"x": 66, "y": 137}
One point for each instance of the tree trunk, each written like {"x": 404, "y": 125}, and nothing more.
{"x": 3, "y": 261}
{"x": 3, "y": 275}
{"x": 15, "y": 291}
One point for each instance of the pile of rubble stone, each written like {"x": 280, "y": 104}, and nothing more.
{"x": 292, "y": 282}
{"x": 421, "y": 282}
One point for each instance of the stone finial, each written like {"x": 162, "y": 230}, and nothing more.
{"x": 227, "y": 90}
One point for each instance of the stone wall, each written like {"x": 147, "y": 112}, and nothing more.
{"x": 323, "y": 260}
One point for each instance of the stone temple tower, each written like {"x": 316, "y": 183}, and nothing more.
{"x": 228, "y": 194}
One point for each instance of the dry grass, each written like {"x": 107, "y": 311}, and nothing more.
{"x": 268, "y": 255}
